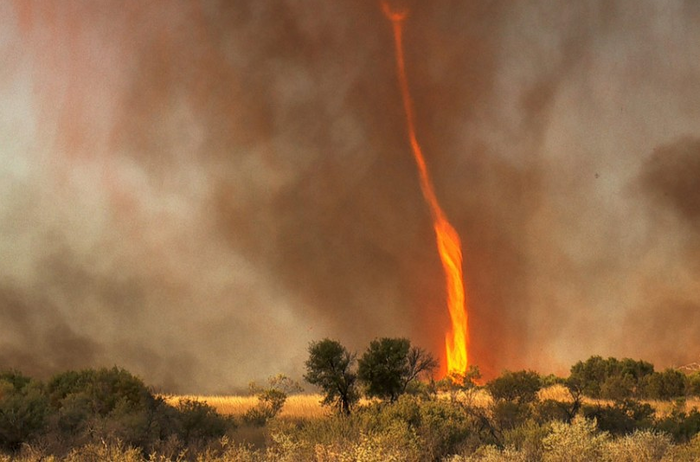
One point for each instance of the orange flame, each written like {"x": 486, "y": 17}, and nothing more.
{"x": 448, "y": 244}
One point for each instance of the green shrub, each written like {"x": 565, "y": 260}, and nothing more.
{"x": 681, "y": 426}
{"x": 682, "y": 452}
{"x": 24, "y": 409}
{"x": 507, "y": 415}
{"x": 67, "y": 383}
{"x": 693, "y": 387}
{"x": 101, "y": 452}
{"x": 640, "y": 446}
{"x": 491, "y": 453}
{"x": 199, "y": 421}
{"x": 270, "y": 399}
{"x": 550, "y": 409}
{"x": 444, "y": 428}
{"x": 578, "y": 441}
{"x": 527, "y": 439}
{"x": 610, "y": 378}
{"x": 665, "y": 385}
{"x": 519, "y": 387}
{"x": 73, "y": 413}
{"x": 618, "y": 387}
{"x": 330, "y": 367}
{"x": 390, "y": 365}
{"x": 622, "y": 418}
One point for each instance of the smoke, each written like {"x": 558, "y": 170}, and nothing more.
{"x": 195, "y": 191}
{"x": 670, "y": 179}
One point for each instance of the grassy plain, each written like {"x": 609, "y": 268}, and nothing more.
{"x": 296, "y": 406}
{"x": 308, "y": 406}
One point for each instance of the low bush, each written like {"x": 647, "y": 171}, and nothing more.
{"x": 621, "y": 418}
{"x": 640, "y": 446}
{"x": 519, "y": 387}
{"x": 682, "y": 426}
{"x": 578, "y": 441}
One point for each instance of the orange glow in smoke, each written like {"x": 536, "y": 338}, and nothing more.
{"x": 448, "y": 243}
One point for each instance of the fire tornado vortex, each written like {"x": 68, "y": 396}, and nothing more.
{"x": 448, "y": 243}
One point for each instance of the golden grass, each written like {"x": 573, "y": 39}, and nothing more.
{"x": 555, "y": 392}
{"x": 309, "y": 406}
{"x": 296, "y": 406}
{"x": 662, "y": 408}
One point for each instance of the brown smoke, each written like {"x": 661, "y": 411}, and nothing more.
{"x": 196, "y": 190}
{"x": 670, "y": 179}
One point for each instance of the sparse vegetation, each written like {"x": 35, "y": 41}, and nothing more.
{"x": 271, "y": 399}
{"x": 109, "y": 414}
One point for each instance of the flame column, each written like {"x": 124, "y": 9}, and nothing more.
{"x": 447, "y": 239}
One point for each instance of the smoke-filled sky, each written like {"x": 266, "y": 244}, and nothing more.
{"x": 195, "y": 190}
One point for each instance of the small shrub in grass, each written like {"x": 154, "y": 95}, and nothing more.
{"x": 270, "y": 399}
{"x": 321, "y": 431}
{"x": 105, "y": 388}
{"x": 379, "y": 415}
{"x": 684, "y": 452}
{"x": 199, "y": 422}
{"x": 622, "y": 418}
{"x": 527, "y": 439}
{"x": 101, "y": 452}
{"x": 396, "y": 443}
{"x": 490, "y": 453}
{"x": 610, "y": 378}
{"x": 128, "y": 425}
{"x": 640, "y": 446}
{"x": 680, "y": 425}
{"x": 444, "y": 428}
{"x": 693, "y": 386}
{"x": 549, "y": 410}
{"x": 507, "y": 415}
{"x": 578, "y": 441}
{"x": 520, "y": 387}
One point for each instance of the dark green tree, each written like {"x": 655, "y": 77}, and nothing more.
{"x": 330, "y": 367}
{"x": 23, "y": 409}
{"x": 611, "y": 378}
{"x": 390, "y": 364}
{"x": 520, "y": 387}
{"x": 693, "y": 388}
{"x": 198, "y": 421}
{"x": 668, "y": 384}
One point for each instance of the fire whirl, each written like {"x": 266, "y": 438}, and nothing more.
{"x": 448, "y": 243}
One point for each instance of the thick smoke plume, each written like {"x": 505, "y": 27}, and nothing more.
{"x": 196, "y": 190}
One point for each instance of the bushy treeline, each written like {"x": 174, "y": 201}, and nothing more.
{"x": 599, "y": 414}
{"x": 391, "y": 367}
{"x": 612, "y": 378}
{"x": 78, "y": 408}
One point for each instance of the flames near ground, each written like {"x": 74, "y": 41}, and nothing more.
{"x": 184, "y": 181}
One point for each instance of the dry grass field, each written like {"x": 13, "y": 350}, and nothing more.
{"x": 663, "y": 408}
{"x": 297, "y": 406}
{"x": 309, "y": 406}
